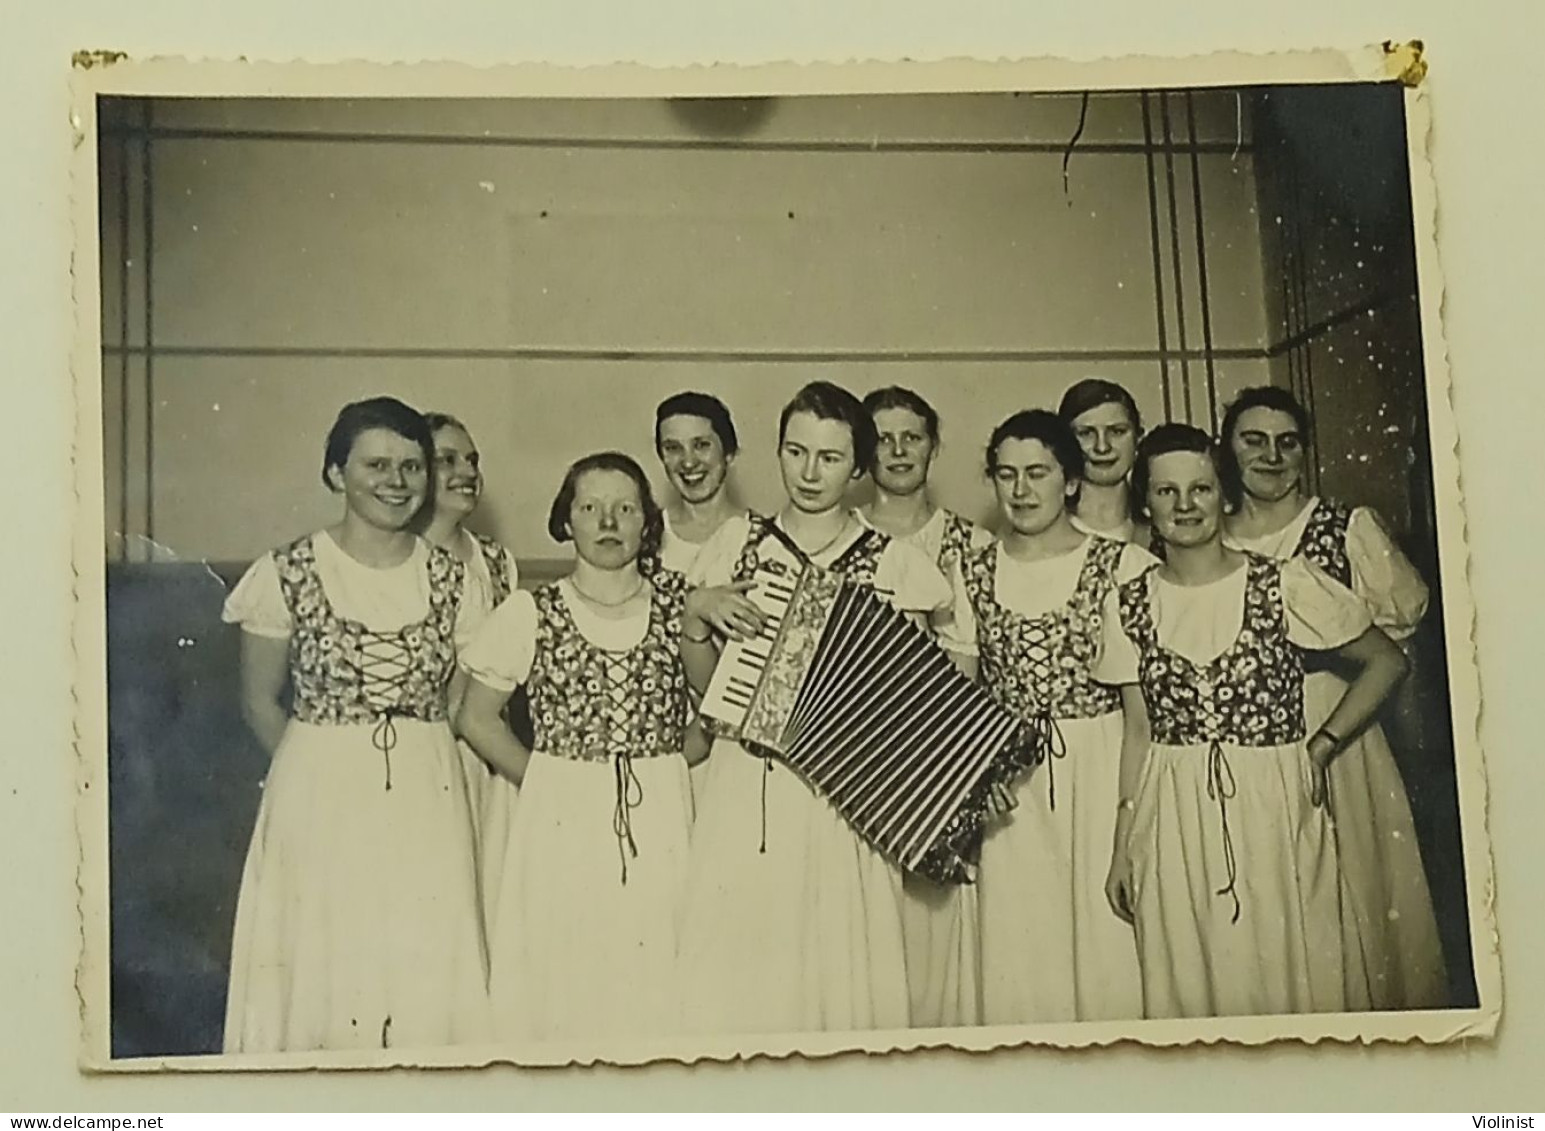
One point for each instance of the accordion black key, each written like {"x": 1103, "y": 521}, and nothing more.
{"x": 865, "y": 706}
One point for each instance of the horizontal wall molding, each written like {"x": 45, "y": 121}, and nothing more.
{"x": 1362, "y": 308}
{"x": 985, "y": 146}
{"x": 771, "y": 357}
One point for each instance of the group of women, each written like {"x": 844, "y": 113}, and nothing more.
{"x": 1217, "y": 828}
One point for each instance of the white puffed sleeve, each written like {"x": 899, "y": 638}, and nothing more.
{"x": 1117, "y": 662}
{"x": 1134, "y": 561}
{"x": 1383, "y": 577}
{"x": 473, "y": 610}
{"x": 1322, "y": 614}
{"x": 257, "y": 603}
{"x": 911, "y": 582}
{"x": 501, "y": 652}
{"x": 956, "y": 631}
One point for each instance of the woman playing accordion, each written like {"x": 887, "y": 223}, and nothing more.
{"x": 792, "y": 922}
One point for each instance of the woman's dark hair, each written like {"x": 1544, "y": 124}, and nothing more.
{"x": 1047, "y": 427}
{"x": 705, "y": 406}
{"x": 1092, "y": 392}
{"x": 439, "y": 420}
{"x": 558, "y": 517}
{"x": 1167, "y": 438}
{"x": 387, "y": 413}
{"x": 894, "y": 396}
{"x": 826, "y": 401}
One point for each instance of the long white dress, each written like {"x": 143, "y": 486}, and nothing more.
{"x": 679, "y": 555}
{"x": 583, "y": 941}
{"x": 1394, "y": 956}
{"x": 493, "y": 569}
{"x": 1238, "y": 908}
{"x": 1051, "y": 947}
{"x": 939, "y": 922}
{"x": 791, "y": 922}
{"x": 358, "y": 924}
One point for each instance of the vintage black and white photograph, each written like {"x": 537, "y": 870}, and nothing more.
{"x": 621, "y": 577}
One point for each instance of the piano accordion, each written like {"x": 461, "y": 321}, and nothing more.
{"x": 861, "y": 702}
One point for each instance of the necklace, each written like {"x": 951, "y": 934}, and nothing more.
{"x": 637, "y": 589}
{"x": 828, "y": 544}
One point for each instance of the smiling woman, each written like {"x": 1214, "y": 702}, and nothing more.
{"x": 1225, "y": 857}
{"x": 358, "y": 923}
{"x": 458, "y": 488}
{"x": 694, "y": 436}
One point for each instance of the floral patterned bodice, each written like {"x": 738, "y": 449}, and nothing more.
{"x": 1041, "y": 665}
{"x": 1251, "y": 695}
{"x": 498, "y": 563}
{"x": 857, "y": 563}
{"x": 591, "y": 704}
{"x": 956, "y": 541}
{"x": 1324, "y": 540}
{"x": 344, "y": 672}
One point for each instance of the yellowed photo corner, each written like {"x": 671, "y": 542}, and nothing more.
{"x": 106, "y": 72}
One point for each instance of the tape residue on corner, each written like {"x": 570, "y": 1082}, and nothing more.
{"x": 85, "y": 60}
{"x": 1406, "y": 61}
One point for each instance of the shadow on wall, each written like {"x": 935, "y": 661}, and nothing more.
{"x": 185, "y": 777}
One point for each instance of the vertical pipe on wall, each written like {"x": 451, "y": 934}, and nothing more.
{"x": 1201, "y": 266}
{"x": 1300, "y": 276}
{"x": 1174, "y": 238}
{"x": 124, "y": 257}
{"x": 1158, "y": 262}
{"x": 1280, "y": 174}
{"x": 149, "y": 261}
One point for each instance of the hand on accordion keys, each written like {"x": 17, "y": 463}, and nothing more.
{"x": 727, "y": 610}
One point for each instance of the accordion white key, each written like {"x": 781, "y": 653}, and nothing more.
{"x": 866, "y": 707}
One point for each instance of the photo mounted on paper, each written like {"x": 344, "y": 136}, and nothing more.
{"x": 628, "y": 565}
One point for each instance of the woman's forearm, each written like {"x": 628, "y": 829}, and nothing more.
{"x": 492, "y": 741}
{"x": 699, "y": 656}
{"x": 1382, "y": 667}
{"x": 267, "y": 720}
{"x": 1135, "y": 739}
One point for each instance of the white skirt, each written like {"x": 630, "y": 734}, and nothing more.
{"x": 800, "y": 934}
{"x": 491, "y": 799}
{"x": 940, "y": 927}
{"x": 1394, "y": 957}
{"x": 576, "y": 950}
{"x": 1052, "y": 948}
{"x": 357, "y": 925}
{"x": 1283, "y": 954}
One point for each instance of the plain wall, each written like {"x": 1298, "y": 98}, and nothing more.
{"x": 549, "y": 271}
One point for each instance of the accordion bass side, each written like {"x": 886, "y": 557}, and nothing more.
{"x": 866, "y": 707}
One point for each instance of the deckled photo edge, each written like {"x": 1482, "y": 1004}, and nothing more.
{"x": 167, "y": 77}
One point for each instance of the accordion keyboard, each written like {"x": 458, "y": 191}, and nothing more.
{"x": 742, "y": 662}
